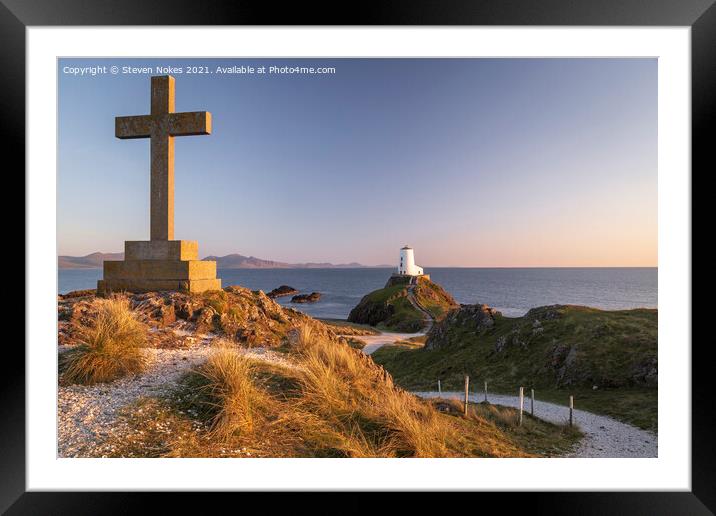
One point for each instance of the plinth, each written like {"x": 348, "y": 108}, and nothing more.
{"x": 151, "y": 265}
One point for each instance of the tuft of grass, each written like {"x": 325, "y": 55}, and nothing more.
{"x": 229, "y": 388}
{"x": 110, "y": 346}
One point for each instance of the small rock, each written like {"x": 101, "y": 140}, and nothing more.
{"x": 306, "y": 298}
{"x": 283, "y": 290}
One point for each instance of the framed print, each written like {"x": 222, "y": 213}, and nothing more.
{"x": 417, "y": 249}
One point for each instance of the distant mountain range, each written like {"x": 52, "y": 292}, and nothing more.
{"x": 238, "y": 261}
{"x": 91, "y": 261}
{"x": 230, "y": 261}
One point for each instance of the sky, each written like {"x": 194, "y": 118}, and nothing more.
{"x": 472, "y": 162}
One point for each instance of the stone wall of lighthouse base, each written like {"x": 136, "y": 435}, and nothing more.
{"x": 403, "y": 279}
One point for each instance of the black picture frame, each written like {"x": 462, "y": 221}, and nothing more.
{"x": 17, "y": 15}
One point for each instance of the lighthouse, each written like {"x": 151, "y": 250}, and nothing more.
{"x": 407, "y": 265}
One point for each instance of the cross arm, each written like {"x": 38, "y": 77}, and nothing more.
{"x": 190, "y": 123}
{"x": 126, "y": 127}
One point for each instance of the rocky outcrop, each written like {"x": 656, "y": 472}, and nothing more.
{"x": 306, "y": 298}
{"x": 372, "y": 313}
{"x": 283, "y": 290}
{"x": 472, "y": 318}
{"x": 235, "y": 313}
{"x": 404, "y": 306}
{"x": 77, "y": 293}
{"x": 646, "y": 372}
{"x": 566, "y": 368}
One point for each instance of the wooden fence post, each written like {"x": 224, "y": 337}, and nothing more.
{"x": 485, "y": 392}
{"x": 571, "y": 410}
{"x": 467, "y": 387}
{"x": 532, "y": 403}
{"x": 440, "y": 391}
{"x": 522, "y": 402}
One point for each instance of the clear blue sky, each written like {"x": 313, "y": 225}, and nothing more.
{"x": 473, "y": 162}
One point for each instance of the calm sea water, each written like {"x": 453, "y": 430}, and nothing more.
{"x": 512, "y": 291}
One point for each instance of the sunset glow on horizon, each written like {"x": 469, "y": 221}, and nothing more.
{"x": 472, "y": 162}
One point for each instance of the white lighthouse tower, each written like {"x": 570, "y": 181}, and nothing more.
{"x": 407, "y": 265}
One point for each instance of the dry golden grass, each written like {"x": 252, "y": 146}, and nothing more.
{"x": 540, "y": 437}
{"x": 110, "y": 346}
{"x": 361, "y": 402}
{"x": 329, "y": 401}
{"x": 335, "y": 402}
{"x": 229, "y": 386}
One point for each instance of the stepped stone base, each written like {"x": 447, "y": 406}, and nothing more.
{"x": 159, "y": 265}
{"x": 147, "y": 285}
{"x": 161, "y": 250}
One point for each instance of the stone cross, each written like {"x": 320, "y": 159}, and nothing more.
{"x": 162, "y": 125}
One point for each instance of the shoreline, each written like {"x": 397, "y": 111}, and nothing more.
{"x": 506, "y": 289}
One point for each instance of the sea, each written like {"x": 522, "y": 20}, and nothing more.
{"x": 513, "y": 291}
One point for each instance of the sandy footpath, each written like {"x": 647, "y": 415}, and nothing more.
{"x": 375, "y": 342}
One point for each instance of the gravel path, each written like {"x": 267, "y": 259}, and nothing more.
{"x": 604, "y": 436}
{"x": 88, "y": 416}
{"x": 374, "y": 342}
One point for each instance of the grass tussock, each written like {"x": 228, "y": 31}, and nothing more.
{"x": 110, "y": 346}
{"x": 238, "y": 404}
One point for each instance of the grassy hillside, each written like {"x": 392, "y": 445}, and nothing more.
{"x": 389, "y": 308}
{"x": 331, "y": 401}
{"x": 607, "y": 359}
{"x": 180, "y": 376}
